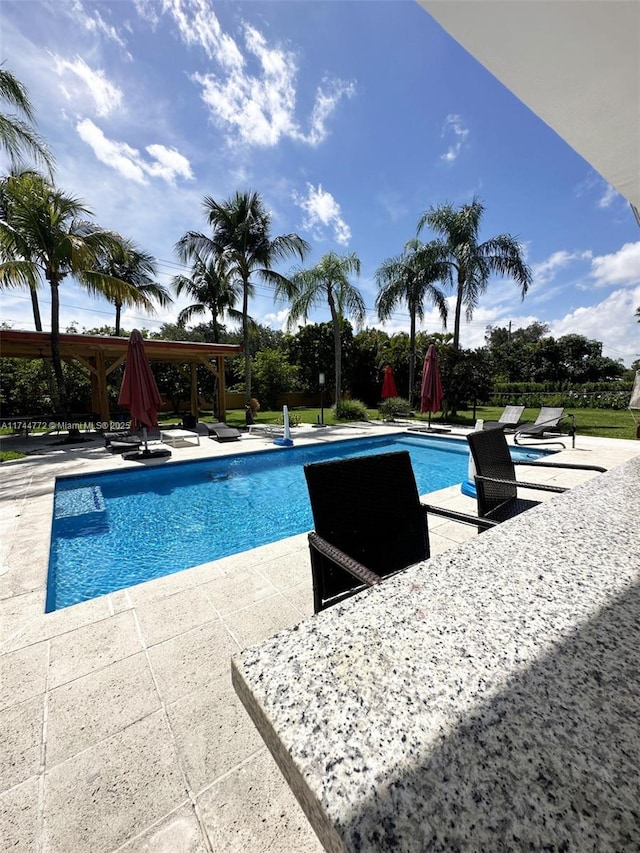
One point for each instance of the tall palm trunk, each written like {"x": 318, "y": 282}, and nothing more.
{"x": 37, "y": 319}
{"x": 458, "y": 314}
{"x": 118, "y": 313}
{"x": 62, "y": 402}
{"x": 245, "y": 341}
{"x": 412, "y": 352}
{"x": 337, "y": 347}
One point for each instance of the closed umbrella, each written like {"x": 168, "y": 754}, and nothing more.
{"x": 388, "y": 384}
{"x": 431, "y": 391}
{"x": 139, "y": 393}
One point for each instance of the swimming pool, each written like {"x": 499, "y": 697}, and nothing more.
{"x": 118, "y": 529}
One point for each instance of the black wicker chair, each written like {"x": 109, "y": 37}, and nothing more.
{"x": 495, "y": 477}
{"x": 369, "y": 523}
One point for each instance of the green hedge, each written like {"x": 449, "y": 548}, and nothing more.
{"x": 592, "y": 395}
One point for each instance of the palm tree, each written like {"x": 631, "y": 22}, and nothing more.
{"x": 17, "y": 135}
{"x": 13, "y": 272}
{"x": 410, "y": 278}
{"x": 474, "y": 262}
{"x": 327, "y": 281}
{"x": 212, "y": 288}
{"x": 44, "y": 234}
{"x": 241, "y": 226}
{"x": 125, "y": 262}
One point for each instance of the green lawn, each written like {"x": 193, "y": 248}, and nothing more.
{"x": 607, "y": 423}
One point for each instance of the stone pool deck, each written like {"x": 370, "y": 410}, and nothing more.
{"x": 120, "y": 728}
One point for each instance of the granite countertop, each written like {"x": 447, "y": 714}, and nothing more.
{"x": 486, "y": 700}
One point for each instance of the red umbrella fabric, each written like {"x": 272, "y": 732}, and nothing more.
{"x": 389, "y": 384}
{"x": 431, "y": 392}
{"x": 139, "y": 392}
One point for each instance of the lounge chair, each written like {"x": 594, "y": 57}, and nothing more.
{"x": 119, "y": 441}
{"x": 495, "y": 476}
{"x": 548, "y": 421}
{"x": 222, "y": 432}
{"x": 509, "y": 420}
{"x": 369, "y": 523}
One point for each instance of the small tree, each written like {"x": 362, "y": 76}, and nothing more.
{"x": 272, "y": 376}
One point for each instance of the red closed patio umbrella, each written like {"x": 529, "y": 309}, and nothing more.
{"x": 388, "y": 384}
{"x": 139, "y": 393}
{"x": 431, "y": 391}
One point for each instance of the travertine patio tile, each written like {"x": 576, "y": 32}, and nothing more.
{"x": 161, "y": 587}
{"x": 287, "y": 570}
{"x": 89, "y": 709}
{"x": 100, "y": 798}
{"x": 92, "y": 647}
{"x": 162, "y": 618}
{"x": 238, "y": 590}
{"x": 49, "y": 625}
{"x": 301, "y": 596}
{"x": 20, "y": 741}
{"x": 261, "y": 620}
{"x": 19, "y": 818}
{"x": 17, "y": 611}
{"x": 189, "y": 662}
{"x": 455, "y": 532}
{"x": 119, "y": 600}
{"x": 24, "y": 575}
{"x": 23, "y": 674}
{"x": 253, "y": 809}
{"x": 213, "y": 731}
{"x": 179, "y": 832}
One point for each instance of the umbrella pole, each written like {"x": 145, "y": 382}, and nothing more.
{"x": 144, "y": 438}
{"x": 429, "y": 422}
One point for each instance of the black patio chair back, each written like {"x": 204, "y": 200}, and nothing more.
{"x": 368, "y": 509}
{"x": 495, "y": 480}
{"x": 495, "y": 476}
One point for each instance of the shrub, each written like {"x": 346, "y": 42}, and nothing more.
{"x": 350, "y": 410}
{"x": 294, "y": 419}
{"x": 393, "y": 406}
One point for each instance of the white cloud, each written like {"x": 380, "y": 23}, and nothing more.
{"x": 545, "y": 270}
{"x": 322, "y": 212}
{"x": 621, "y": 267}
{"x": 607, "y": 197}
{"x": 96, "y": 24}
{"x": 166, "y": 163}
{"x": 276, "y": 319}
{"x": 453, "y": 126}
{"x": 105, "y": 95}
{"x": 198, "y": 25}
{"x": 169, "y": 164}
{"x": 258, "y": 109}
{"x": 611, "y": 321}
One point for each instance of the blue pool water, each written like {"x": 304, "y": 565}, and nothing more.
{"x": 117, "y": 529}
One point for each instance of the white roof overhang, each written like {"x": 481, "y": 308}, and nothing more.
{"x": 574, "y": 63}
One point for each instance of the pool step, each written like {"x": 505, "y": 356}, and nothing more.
{"x": 80, "y": 512}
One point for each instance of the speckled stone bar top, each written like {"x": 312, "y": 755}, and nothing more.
{"x": 485, "y": 700}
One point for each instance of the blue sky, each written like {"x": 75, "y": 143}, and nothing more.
{"x": 349, "y": 118}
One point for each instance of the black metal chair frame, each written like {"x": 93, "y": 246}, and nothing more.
{"x": 540, "y": 430}
{"x": 369, "y": 523}
{"x": 495, "y": 477}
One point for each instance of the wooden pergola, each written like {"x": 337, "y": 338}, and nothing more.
{"x": 101, "y": 355}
